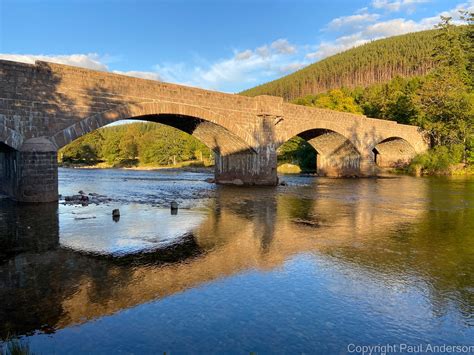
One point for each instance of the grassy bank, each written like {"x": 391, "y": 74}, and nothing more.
{"x": 184, "y": 165}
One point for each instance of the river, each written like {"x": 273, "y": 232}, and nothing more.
{"x": 317, "y": 266}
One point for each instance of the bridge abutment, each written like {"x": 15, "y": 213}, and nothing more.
{"x": 30, "y": 174}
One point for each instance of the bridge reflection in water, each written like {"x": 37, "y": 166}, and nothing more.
{"x": 48, "y": 281}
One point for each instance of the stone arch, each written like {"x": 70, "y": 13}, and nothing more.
{"x": 393, "y": 152}
{"x": 335, "y": 154}
{"x": 214, "y": 130}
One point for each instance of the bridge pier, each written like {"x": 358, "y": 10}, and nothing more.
{"x": 31, "y": 173}
{"x": 337, "y": 167}
{"x": 345, "y": 166}
{"x": 247, "y": 168}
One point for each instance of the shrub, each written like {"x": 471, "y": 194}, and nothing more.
{"x": 438, "y": 160}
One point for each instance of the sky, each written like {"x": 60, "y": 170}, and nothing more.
{"x": 224, "y": 45}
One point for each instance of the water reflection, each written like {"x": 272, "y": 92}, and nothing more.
{"x": 405, "y": 233}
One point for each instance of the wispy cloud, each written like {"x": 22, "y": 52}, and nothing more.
{"x": 140, "y": 74}
{"x": 352, "y": 21}
{"x": 356, "y": 33}
{"x": 89, "y": 61}
{"x": 246, "y": 67}
{"x": 397, "y": 5}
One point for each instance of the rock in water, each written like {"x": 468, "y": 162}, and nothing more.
{"x": 174, "y": 208}
{"x": 116, "y": 213}
{"x": 237, "y": 182}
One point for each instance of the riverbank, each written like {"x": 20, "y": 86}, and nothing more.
{"x": 453, "y": 170}
{"x": 190, "y": 166}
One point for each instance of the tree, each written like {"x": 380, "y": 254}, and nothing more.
{"x": 446, "y": 98}
{"x": 450, "y": 50}
{"x": 334, "y": 100}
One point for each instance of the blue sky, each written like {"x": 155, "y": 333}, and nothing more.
{"x": 220, "y": 45}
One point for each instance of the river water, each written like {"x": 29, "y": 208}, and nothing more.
{"x": 317, "y": 266}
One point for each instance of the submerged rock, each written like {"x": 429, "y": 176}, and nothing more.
{"x": 77, "y": 199}
{"x": 84, "y": 199}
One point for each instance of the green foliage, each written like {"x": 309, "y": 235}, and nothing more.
{"x": 134, "y": 144}
{"x": 86, "y": 149}
{"x": 450, "y": 50}
{"x": 437, "y": 160}
{"x": 393, "y": 100}
{"x": 333, "y": 100}
{"x": 298, "y": 152}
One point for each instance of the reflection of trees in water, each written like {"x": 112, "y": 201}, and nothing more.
{"x": 436, "y": 251}
{"x": 249, "y": 228}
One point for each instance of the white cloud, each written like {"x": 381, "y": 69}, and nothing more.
{"x": 244, "y": 55}
{"x": 352, "y": 21}
{"x": 245, "y": 68}
{"x": 326, "y": 49}
{"x": 263, "y": 51}
{"x": 291, "y": 67}
{"x": 373, "y": 31}
{"x": 454, "y": 13}
{"x": 397, "y": 5}
{"x": 282, "y": 46}
{"x": 140, "y": 74}
{"x": 392, "y": 28}
{"x": 89, "y": 61}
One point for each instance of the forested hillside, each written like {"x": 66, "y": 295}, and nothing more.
{"x": 375, "y": 62}
{"x": 135, "y": 144}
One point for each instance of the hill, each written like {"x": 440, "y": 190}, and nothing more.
{"x": 375, "y": 62}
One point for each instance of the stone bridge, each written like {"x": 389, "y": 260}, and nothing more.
{"x": 45, "y": 106}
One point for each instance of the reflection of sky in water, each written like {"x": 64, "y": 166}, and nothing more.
{"x": 140, "y": 228}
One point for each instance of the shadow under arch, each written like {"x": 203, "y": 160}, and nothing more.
{"x": 209, "y": 127}
{"x": 336, "y": 155}
{"x": 10, "y": 137}
{"x": 8, "y": 167}
{"x": 393, "y": 152}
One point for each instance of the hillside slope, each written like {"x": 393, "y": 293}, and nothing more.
{"x": 375, "y": 62}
